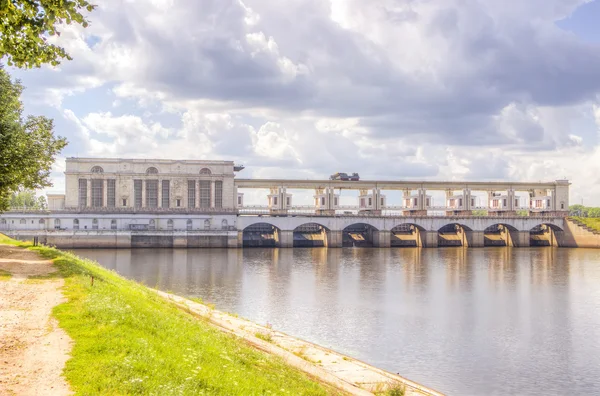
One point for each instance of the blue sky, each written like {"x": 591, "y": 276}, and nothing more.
{"x": 392, "y": 89}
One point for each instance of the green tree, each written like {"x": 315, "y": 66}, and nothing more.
{"x": 27, "y": 146}
{"x": 25, "y": 26}
{"x": 27, "y": 199}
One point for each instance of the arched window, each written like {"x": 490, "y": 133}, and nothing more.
{"x": 23, "y": 221}
{"x": 207, "y": 224}
{"x": 42, "y": 221}
{"x": 113, "y": 224}
{"x": 205, "y": 171}
{"x": 152, "y": 171}
{"x": 189, "y": 224}
{"x": 56, "y": 224}
{"x": 152, "y": 224}
{"x": 224, "y": 224}
{"x": 75, "y": 224}
{"x": 170, "y": 225}
{"x": 97, "y": 169}
{"x": 95, "y": 224}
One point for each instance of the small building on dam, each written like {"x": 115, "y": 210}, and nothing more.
{"x": 124, "y": 203}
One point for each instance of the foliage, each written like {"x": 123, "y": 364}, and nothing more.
{"x": 4, "y": 275}
{"x": 592, "y": 222}
{"x": 27, "y": 199}
{"x": 128, "y": 340}
{"x": 523, "y": 213}
{"x": 27, "y": 146}
{"x": 583, "y": 211}
{"x": 480, "y": 212}
{"x": 25, "y": 26}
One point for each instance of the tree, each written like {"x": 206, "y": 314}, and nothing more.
{"x": 27, "y": 146}
{"x": 25, "y": 26}
{"x": 27, "y": 199}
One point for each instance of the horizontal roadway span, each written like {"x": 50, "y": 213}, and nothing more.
{"x": 390, "y": 185}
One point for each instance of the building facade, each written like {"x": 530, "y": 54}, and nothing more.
{"x": 136, "y": 184}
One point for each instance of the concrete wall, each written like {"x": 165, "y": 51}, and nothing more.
{"x": 576, "y": 236}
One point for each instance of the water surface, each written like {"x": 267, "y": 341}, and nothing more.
{"x": 463, "y": 321}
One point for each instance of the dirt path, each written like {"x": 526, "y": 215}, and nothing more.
{"x": 33, "y": 349}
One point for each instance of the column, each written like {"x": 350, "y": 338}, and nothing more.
{"x": 282, "y": 197}
{"x": 520, "y": 238}
{"x": 375, "y": 199}
{"x": 466, "y": 199}
{"x": 212, "y": 193}
{"x": 143, "y": 193}
{"x": 473, "y": 238}
{"x": 89, "y": 193}
{"x": 104, "y": 193}
{"x": 197, "y": 185}
{"x": 511, "y": 199}
{"x": 421, "y": 198}
{"x": 159, "y": 195}
{"x": 490, "y": 195}
{"x": 286, "y": 239}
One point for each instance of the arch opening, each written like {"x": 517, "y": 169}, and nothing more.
{"x": 310, "y": 235}
{"x": 359, "y": 235}
{"x": 500, "y": 235}
{"x": 152, "y": 171}
{"x": 454, "y": 235}
{"x": 261, "y": 235}
{"x": 545, "y": 235}
{"x": 406, "y": 235}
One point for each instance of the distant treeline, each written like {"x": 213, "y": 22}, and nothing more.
{"x": 583, "y": 211}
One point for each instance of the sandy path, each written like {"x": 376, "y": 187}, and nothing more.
{"x": 33, "y": 349}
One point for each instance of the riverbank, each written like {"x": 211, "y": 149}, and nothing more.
{"x": 149, "y": 345}
{"x": 129, "y": 340}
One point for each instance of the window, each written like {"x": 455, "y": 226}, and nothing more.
{"x": 95, "y": 224}
{"x": 287, "y": 201}
{"x": 110, "y": 193}
{"x": 562, "y": 205}
{"x": 428, "y": 202}
{"x": 504, "y": 203}
{"x": 113, "y": 224}
{"x": 322, "y": 201}
{"x": 548, "y": 203}
{"x": 152, "y": 193}
{"x": 274, "y": 201}
{"x": 82, "y": 192}
{"x": 459, "y": 202}
{"x": 97, "y": 192}
{"x": 224, "y": 224}
{"x": 381, "y": 201}
{"x": 189, "y": 225}
{"x": 178, "y": 203}
{"x": 137, "y": 193}
{"x": 239, "y": 200}
{"x": 152, "y": 224}
{"x": 42, "y": 221}
{"x": 56, "y": 224}
{"x": 204, "y": 193}
{"x": 152, "y": 171}
{"x": 2, "y": 221}
{"x": 23, "y": 221}
{"x": 191, "y": 193}
{"x": 335, "y": 201}
{"x": 494, "y": 203}
{"x": 97, "y": 169}
{"x": 516, "y": 203}
{"x": 370, "y": 201}
{"x": 207, "y": 224}
{"x": 415, "y": 201}
{"x": 218, "y": 194}
{"x": 205, "y": 171}
{"x": 75, "y": 224}
{"x": 166, "y": 186}
{"x": 124, "y": 202}
{"x": 362, "y": 202}
{"x": 170, "y": 225}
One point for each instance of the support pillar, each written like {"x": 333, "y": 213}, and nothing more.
{"x": 473, "y": 239}
{"x": 144, "y": 193}
{"x": 334, "y": 239}
{"x": 382, "y": 239}
{"x": 286, "y": 239}
{"x": 429, "y": 239}
{"x": 212, "y": 193}
{"x": 240, "y": 239}
{"x": 159, "y": 194}
{"x": 520, "y": 238}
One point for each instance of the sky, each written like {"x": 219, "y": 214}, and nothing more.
{"x": 391, "y": 89}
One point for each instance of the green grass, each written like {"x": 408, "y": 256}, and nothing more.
{"x": 592, "y": 222}
{"x": 5, "y": 275}
{"x": 264, "y": 336}
{"x": 128, "y": 340}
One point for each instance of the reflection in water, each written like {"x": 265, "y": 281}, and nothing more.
{"x": 464, "y": 321}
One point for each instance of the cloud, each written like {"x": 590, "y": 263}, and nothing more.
{"x": 388, "y": 88}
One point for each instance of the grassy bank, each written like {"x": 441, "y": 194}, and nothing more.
{"x": 127, "y": 340}
{"x": 592, "y": 222}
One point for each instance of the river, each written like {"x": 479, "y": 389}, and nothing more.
{"x": 462, "y": 321}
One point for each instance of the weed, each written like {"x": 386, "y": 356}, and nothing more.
{"x": 264, "y": 336}
{"x": 5, "y": 275}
